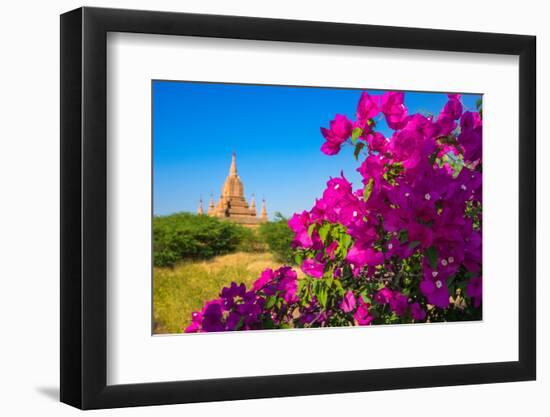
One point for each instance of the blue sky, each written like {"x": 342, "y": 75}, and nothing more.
{"x": 273, "y": 129}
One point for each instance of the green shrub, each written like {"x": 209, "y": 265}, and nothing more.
{"x": 278, "y": 237}
{"x": 187, "y": 236}
{"x": 250, "y": 241}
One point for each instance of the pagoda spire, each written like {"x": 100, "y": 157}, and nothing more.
{"x": 252, "y": 202}
{"x": 211, "y": 205}
{"x": 233, "y": 168}
{"x": 200, "y": 210}
{"x": 263, "y": 215}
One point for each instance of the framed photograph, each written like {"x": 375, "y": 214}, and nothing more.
{"x": 256, "y": 208}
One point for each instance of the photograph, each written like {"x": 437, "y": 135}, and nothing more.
{"x": 298, "y": 207}
{"x": 247, "y": 208}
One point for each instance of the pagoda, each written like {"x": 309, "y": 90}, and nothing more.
{"x": 232, "y": 204}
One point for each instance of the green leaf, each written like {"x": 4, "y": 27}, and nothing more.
{"x": 337, "y": 231}
{"x": 239, "y": 324}
{"x": 346, "y": 271}
{"x": 270, "y": 302}
{"x": 403, "y": 236}
{"x": 322, "y": 296}
{"x": 478, "y": 103}
{"x": 315, "y": 285}
{"x": 462, "y": 283}
{"x": 365, "y": 296}
{"x": 358, "y": 148}
{"x": 338, "y": 287}
{"x": 448, "y": 140}
{"x": 305, "y": 291}
{"x": 432, "y": 255}
{"x": 268, "y": 323}
{"x": 368, "y": 190}
{"x": 356, "y": 133}
{"x": 433, "y": 157}
{"x": 450, "y": 279}
{"x": 311, "y": 228}
{"x": 323, "y": 231}
{"x": 414, "y": 244}
{"x": 344, "y": 243}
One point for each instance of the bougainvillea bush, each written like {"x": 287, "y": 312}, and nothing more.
{"x": 404, "y": 247}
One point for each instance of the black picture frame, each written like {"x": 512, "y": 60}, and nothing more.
{"x": 84, "y": 207}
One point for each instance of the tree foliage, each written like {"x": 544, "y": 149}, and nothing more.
{"x": 278, "y": 237}
{"x": 183, "y": 236}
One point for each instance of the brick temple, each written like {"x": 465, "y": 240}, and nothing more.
{"x": 232, "y": 204}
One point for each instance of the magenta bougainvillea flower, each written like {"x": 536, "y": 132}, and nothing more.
{"x": 383, "y": 296}
{"x": 212, "y": 317}
{"x": 367, "y": 109}
{"x": 348, "y": 303}
{"x": 393, "y": 106}
{"x": 331, "y": 249}
{"x": 341, "y": 127}
{"x": 377, "y": 142}
{"x": 399, "y": 304}
{"x": 359, "y": 257}
{"x": 453, "y": 107}
{"x": 282, "y": 283}
{"x": 417, "y": 312}
{"x": 266, "y": 277}
{"x": 299, "y": 224}
{"x": 362, "y": 315}
{"x": 313, "y": 268}
{"x": 391, "y": 249}
{"x": 340, "y": 130}
{"x": 436, "y": 291}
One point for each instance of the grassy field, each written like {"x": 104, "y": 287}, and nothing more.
{"x": 179, "y": 291}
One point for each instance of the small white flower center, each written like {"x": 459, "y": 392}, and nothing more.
{"x": 428, "y": 196}
{"x": 434, "y": 273}
{"x": 451, "y": 259}
{"x": 463, "y": 187}
{"x": 337, "y": 186}
{"x": 438, "y": 284}
{"x": 354, "y": 213}
{"x": 444, "y": 262}
{"x": 390, "y": 245}
{"x": 407, "y": 194}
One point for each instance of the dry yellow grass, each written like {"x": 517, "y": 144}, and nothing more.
{"x": 179, "y": 291}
